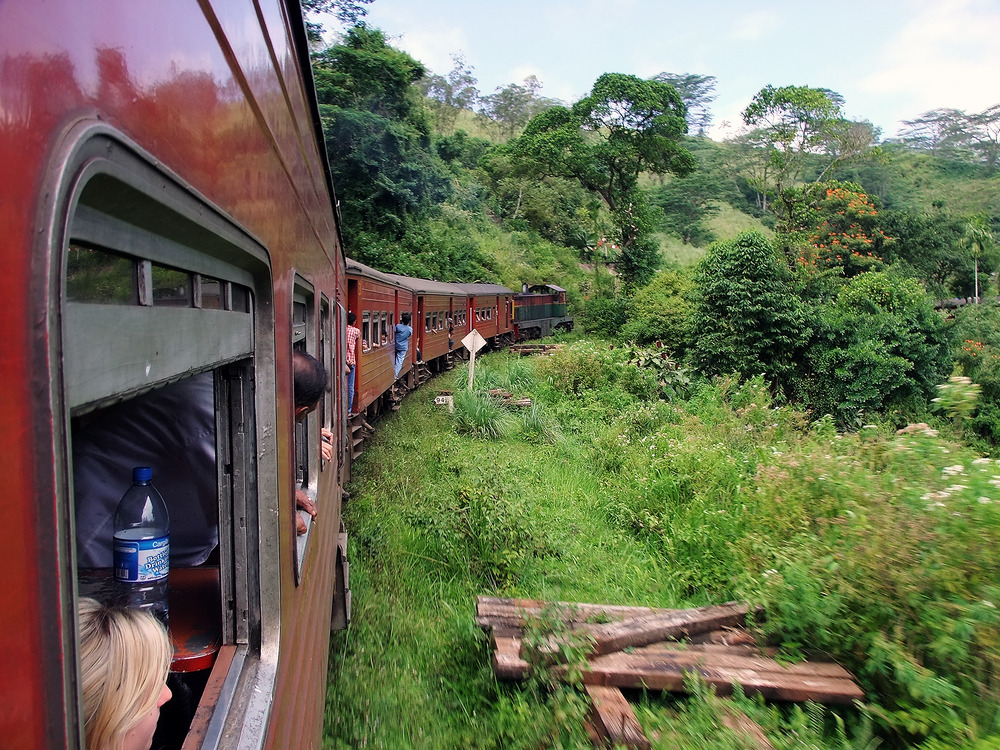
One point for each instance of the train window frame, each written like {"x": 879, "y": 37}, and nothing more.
{"x": 366, "y": 331}
{"x": 385, "y": 326}
{"x": 328, "y": 356}
{"x": 111, "y": 194}
{"x": 305, "y": 445}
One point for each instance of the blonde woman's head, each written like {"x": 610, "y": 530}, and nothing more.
{"x": 124, "y": 660}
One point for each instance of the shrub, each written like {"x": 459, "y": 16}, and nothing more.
{"x": 660, "y": 312}
{"x": 879, "y": 347}
{"x": 747, "y": 318}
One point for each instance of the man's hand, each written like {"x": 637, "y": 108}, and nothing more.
{"x": 326, "y": 445}
{"x": 303, "y": 501}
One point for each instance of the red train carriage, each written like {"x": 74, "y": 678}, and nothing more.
{"x": 168, "y": 222}
{"x": 489, "y": 310}
{"x": 440, "y": 316}
{"x": 539, "y": 310}
{"x": 378, "y": 299}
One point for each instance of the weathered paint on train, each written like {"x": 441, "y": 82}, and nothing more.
{"x": 213, "y": 103}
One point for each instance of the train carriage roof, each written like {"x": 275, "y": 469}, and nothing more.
{"x": 426, "y": 286}
{"x": 360, "y": 269}
{"x": 545, "y": 289}
{"x": 483, "y": 289}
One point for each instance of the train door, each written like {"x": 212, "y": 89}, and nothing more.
{"x": 421, "y": 324}
{"x": 166, "y": 348}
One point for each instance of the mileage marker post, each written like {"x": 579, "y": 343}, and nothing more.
{"x": 474, "y": 341}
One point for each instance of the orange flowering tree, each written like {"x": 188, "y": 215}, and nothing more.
{"x": 833, "y": 226}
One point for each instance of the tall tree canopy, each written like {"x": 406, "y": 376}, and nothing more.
{"x": 789, "y": 125}
{"x": 347, "y": 12}
{"x": 377, "y": 137}
{"x": 450, "y": 94}
{"x": 512, "y": 106}
{"x": 697, "y": 92}
{"x": 625, "y": 127}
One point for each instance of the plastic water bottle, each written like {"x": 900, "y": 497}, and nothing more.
{"x": 142, "y": 546}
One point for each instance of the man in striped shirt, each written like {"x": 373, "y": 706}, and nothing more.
{"x": 352, "y": 358}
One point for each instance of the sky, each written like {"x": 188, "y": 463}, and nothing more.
{"x": 891, "y": 60}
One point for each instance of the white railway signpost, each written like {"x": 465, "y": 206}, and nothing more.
{"x": 474, "y": 341}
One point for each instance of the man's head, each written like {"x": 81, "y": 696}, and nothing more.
{"x": 351, "y": 318}
{"x": 405, "y": 319}
{"x": 310, "y": 381}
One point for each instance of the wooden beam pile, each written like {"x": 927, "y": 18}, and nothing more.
{"x": 530, "y": 349}
{"x": 640, "y": 647}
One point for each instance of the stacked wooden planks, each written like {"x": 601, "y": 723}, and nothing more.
{"x": 641, "y": 647}
{"x": 529, "y": 349}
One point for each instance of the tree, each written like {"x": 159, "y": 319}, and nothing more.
{"x": 793, "y": 123}
{"x": 978, "y": 239}
{"x": 880, "y": 346}
{"x": 747, "y": 318}
{"x": 377, "y": 138}
{"x": 697, "y": 92}
{"x": 626, "y": 126}
{"x": 833, "y": 226}
{"x": 450, "y": 94}
{"x": 660, "y": 311}
{"x": 512, "y": 106}
{"x": 957, "y": 135}
{"x": 347, "y": 12}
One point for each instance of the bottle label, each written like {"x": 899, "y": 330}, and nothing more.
{"x": 142, "y": 560}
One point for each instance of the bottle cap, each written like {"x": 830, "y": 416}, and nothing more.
{"x": 142, "y": 474}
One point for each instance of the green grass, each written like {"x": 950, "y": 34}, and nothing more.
{"x": 875, "y": 548}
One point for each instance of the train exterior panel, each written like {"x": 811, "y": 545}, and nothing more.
{"x": 378, "y": 299}
{"x": 539, "y": 310}
{"x": 438, "y": 305}
{"x": 174, "y": 151}
{"x": 489, "y": 311}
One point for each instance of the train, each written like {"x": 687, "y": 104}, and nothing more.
{"x": 442, "y": 315}
{"x": 171, "y": 226}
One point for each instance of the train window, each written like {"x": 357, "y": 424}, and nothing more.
{"x": 327, "y": 358}
{"x": 210, "y": 294}
{"x": 385, "y": 327}
{"x": 392, "y": 326}
{"x": 376, "y": 330}
{"x": 427, "y": 322}
{"x": 366, "y": 331}
{"x": 94, "y": 275}
{"x": 166, "y": 336}
{"x": 170, "y": 286}
{"x": 307, "y": 429}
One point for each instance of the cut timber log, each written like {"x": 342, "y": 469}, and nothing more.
{"x": 645, "y": 629}
{"x": 519, "y": 612}
{"x": 614, "y": 719}
{"x": 664, "y": 669}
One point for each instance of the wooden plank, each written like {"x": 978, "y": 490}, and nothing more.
{"x": 728, "y": 659}
{"x": 489, "y": 607}
{"x": 614, "y": 719}
{"x": 507, "y": 661}
{"x": 646, "y": 629}
{"x": 657, "y": 673}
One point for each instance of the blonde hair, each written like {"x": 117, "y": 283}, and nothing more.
{"x": 124, "y": 660}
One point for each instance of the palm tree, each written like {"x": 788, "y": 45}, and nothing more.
{"x": 979, "y": 239}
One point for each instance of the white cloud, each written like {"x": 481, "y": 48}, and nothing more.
{"x": 756, "y": 25}
{"x": 946, "y": 56}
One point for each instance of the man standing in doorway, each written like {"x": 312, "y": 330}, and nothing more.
{"x": 403, "y": 333}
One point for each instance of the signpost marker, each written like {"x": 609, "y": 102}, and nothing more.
{"x": 474, "y": 341}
